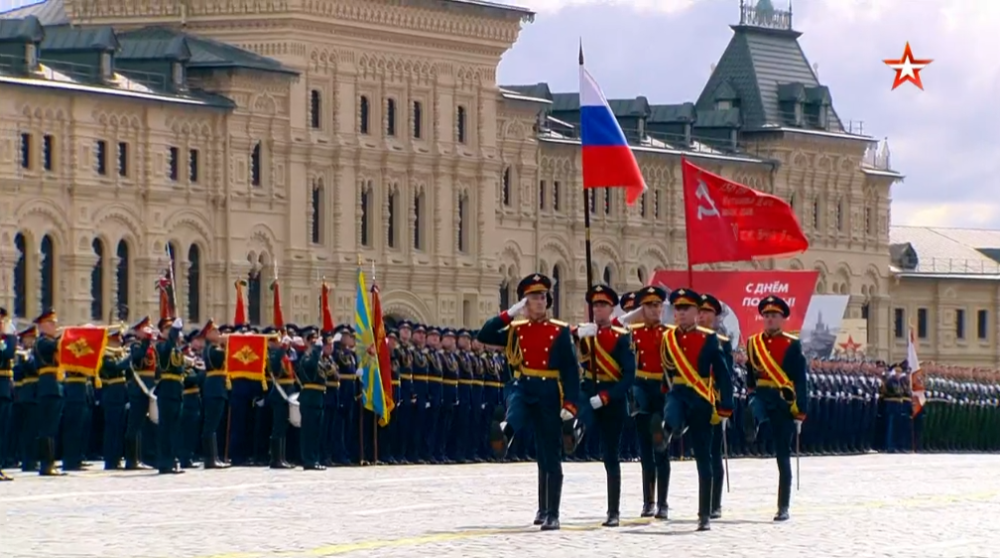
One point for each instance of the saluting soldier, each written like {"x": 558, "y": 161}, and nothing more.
{"x": 313, "y": 379}
{"x": 606, "y": 353}
{"x": 143, "y": 361}
{"x": 114, "y": 397}
{"x": 545, "y": 387}
{"x": 214, "y": 393}
{"x": 8, "y": 350}
{"x": 50, "y": 391}
{"x": 694, "y": 366}
{"x": 169, "y": 394}
{"x": 709, "y": 310}
{"x": 282, "y": 375}
{"x": 26, "y": 403}
{"x": 647, "y": 332}
{"x": 776, "y": 376}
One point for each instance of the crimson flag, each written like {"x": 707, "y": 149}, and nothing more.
{"x": 730, "y": 222}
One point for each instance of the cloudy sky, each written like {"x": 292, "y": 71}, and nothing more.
{"x": 945, "y": 139}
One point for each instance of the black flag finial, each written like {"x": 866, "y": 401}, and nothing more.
{"x": 581, "y": 51}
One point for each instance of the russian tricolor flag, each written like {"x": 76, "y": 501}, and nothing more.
{"x": 608, "y": 161}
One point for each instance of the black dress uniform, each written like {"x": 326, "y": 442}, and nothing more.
{"x": 694, "y": 364}
{"x": 8, "y": 350}
{"x": 709, "y": 303}
{"x": 189, "y": 431}
{"x": 169, "y": 395}
{"x": 543, "y": 394}
{"x": 776, "y": 377}
{"x": 608, "y": 361}
{"x": 283, "y": 376}
{"x": 49, "y": 393}
{"x": 26, "y": 400}
{"x": 143, "y": 360}
{"x": 114, "y": 397}
{"x": 311, "y": 402}
{"x": 214, "y": 396}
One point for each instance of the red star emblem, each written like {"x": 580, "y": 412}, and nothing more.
{"x": 907, "y": 68}
{"x": 850, "y": 346}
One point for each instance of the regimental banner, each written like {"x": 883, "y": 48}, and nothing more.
{"x": 740, "y": 292}
{"x": 822, "y": 324}
{"x": 246, "y": 355}
{"x": 81, "y": 349}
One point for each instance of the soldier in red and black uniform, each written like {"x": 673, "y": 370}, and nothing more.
{"x": 545, "y": 387}
{"x": 694, "y": 366}
{"x": 779, "y": 392}
{"x": 709, "y": 310}
{"x": 647, "y": 333}
{"x": 609, "y": 370}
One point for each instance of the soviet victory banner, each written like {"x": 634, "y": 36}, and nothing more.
{"x": 81, "y": 349}
{"x": 246, "y": 355}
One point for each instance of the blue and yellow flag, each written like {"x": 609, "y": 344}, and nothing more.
{"x": 372, "y": 393}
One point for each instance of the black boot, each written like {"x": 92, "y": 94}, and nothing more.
{"x": 283, "y": 459}
{"x": 658, "y": 433}
{"x": 648, "y": 484}
{"x": 277, "y": 460}
{"x": 132, "y": 458}
{"x": 614, "y": 501}
{"x": 543, "y": 497}
{"x": 554, "y": 486}
{"x": 210, "y": 448}
{"x": 662, "y": 486}
{"x": 47, "y": 466}
{"x": 784, "y": 496}
{"x": 716, "y": 512}
{"x": 704, "y": 502}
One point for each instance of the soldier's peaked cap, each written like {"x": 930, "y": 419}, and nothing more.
{"x": 710, "y": 303}
{"x": 209, "y": 326}
{"x": 464, "y": 333}
{"x": 536, "y": 283}
{"x": 627, "y": 301}
{"x": 46, "y": 316}
{"x": 602, "y": 293}
{"x": 684, "y": 297}
{"x": 29, "y": 331}
{"x": 650, "y": 294}
{"x": 143, "y": 322}
{"x": 772, "y": 303}
{"x": 448, "y": 332}
{"x": 407, "y": 324}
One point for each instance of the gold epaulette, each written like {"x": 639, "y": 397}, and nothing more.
{"x": 790, "y": 336}
{"x": 705, "y": 330}
{"x": 559, "y": 323}
{"x": 620, "y": 330}
{"x": 722, "y": 338}
{"x": 514, "y": 324}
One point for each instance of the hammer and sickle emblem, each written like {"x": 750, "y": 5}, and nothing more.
{"x": 246, "y": 355}
{"x": 702, "y": 194}
{"x": 80, "y": 348}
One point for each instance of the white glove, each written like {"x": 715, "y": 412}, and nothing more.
{"x": 259, "y": 402}
{"x": 585, "y": 330}
{"x": 337, "y": 337}
{"x": 149, "y": 330}
{"x": 798, "y": 427}
{"x": 595, "y": 402}
{"x": 286, "y": 340}
{"x": 178, "y": 323}
{"x": 128, "y": 406}
{"x": 565, "y": 415}
{"x": 318, "y": 342}
{"x": 483, "y": 406}
{"x": 298, "y": 340}
{"x": 359, "y": 372}
{"x": 10, "y": 328}
{"x": 427, "y": 405}
{"x": 518, "y": 308}
{"x": 457, "y": 403}
{"x": 629, "y": 316}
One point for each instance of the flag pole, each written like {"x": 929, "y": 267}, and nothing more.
{"x": 361, "y": 400}
{"x": 374, "y": 415}
{"x": 588, "y": 199}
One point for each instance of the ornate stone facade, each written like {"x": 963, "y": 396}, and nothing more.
{"x": 394, "y": 145}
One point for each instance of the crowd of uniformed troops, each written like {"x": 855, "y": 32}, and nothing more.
{"x": 523, "y": 387}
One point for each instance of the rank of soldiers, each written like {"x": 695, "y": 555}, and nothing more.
{"x": 523, "y": 387}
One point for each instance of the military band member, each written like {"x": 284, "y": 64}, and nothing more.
{"x": 546, "y": 385}
{"x": 313, "y": 379}
{"x": 332, "y": 446}
{"x": 406, "y": 405}
{"x": 189, "y": 431}
{"x": 169, "y": 394}
{"x": 8, "y": 351}
{"x": 776, "y": 378}
{"x": 214, "y": 393}
{"x": 143, "y": 369}
{"x": 647, "y": 333}
{"x": 49, "y": 391}
{"x": 26, "y": 404}
{"x": 608, "y": 361}
{"x": 247, "y": 389}
{"x": 709, "y": 310}
{"x": 694, "y": 366}
{"x": 114, "y": 396}
{"x": 77, "y": 400}
{"x": 421, "y": 388}
{"x": 282, "y": 374}
{"x": 347, "y": 423}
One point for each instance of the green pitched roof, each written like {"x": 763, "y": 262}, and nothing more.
{"x": 666, "y": 114}
{"x": 204, "y": 53}
{"x": 174, "y": 50}
{"x": 764, "y": 65}
{"x": 27, "y": 30}
{"x": 63, "y": 38}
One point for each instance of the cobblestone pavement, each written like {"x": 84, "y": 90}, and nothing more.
{"x": 869, "y": 506}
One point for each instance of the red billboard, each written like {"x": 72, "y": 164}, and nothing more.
{"x": 740, "y": 291}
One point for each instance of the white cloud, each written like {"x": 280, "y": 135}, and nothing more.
{"x": 554, "y": 6}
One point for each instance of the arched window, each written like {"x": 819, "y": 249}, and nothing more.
{"x": 592, "y": 199}
{"x": 315, "y": 109}
{"x": 642, "y": 204}
{"x": 556, "y": 290}
{"x": 504, "y": 295}
{"x": 607, "y": 201}
{"x": 641, "y": 273}
{"x": 390, "y": 117}
{"x": 194, "y": 284}
{"x": 21, "y": 277}
{"x": 253, "y": 296}
{"x": 255, "y": 167}
{"x": 505, "y": 192}
{"x": 418, "y": 213}
{"x": 122, "y": 275}
{"x": 97, "y": 282}
{"x": 461, "y": 124}
{"x": 607, "y": 275}
{"x": 48, "y": 278}
{"x": 418, "y": 115}
{"x": 463, "y": 222}
{"x": 317, "y": 203}
{"x": 366, "y": 216}
{"x": 363, "y": 114}
{"x": 391, "y": 228}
